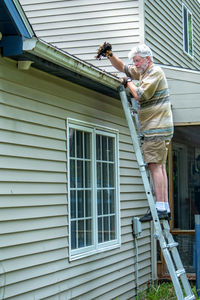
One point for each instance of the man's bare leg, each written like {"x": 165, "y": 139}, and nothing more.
{"x": 160, "y": 182}
{"x": 166, "y": 199}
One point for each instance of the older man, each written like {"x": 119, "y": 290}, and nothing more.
{"x": 155, "y": 116}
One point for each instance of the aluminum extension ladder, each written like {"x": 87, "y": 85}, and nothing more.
{"x": 162, "y": 231}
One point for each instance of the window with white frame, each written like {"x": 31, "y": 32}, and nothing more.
{"x": 187, "y": 31}
{"x": 93, "y": 189}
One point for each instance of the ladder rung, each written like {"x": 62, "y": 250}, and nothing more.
{"x": 143, "y": 165}
{"x": 180, "y": 272}
{"x": 133, "y": 110}
{"x": 190, "y": 297}
{"x": 171, "y": 245}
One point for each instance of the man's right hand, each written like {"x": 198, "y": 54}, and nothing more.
{"x": 104, "y": 50}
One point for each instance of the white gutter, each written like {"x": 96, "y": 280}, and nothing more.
{"x": 70, "y": 62}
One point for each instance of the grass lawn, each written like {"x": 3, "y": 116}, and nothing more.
{"x": 162, "y": 291}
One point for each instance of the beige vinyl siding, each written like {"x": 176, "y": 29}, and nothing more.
{"x": 80, "y": 26}
{"x": 185, "y": 94}
{"x": 33, "y": 193}
{"x": 164, "y": 32}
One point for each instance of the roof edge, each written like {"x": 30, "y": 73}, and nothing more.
{"x": 181, "y": 74}
{"x": 24, "y": 18}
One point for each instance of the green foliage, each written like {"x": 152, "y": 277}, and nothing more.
{"x": 163, "y": 291}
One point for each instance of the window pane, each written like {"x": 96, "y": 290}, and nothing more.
{"x": 88, "y": 232}
{"x": 80, "y": 180}
{"x": 88, "y": 204}
{"x": 80, "y": 204}
{"x": 73, "y": 235}
{"x": 98, "y": 147}
{"x": 105, "y": 202}
{"x": 105, "y": 175}
{"x": 111, "y": 149}
{"x": 87, "y": 145}
{"x": 81, "y": 234}
{"x": 99, "y": 202}
{"x": 104, "y": 148}
{"x": 73, "y": 204}
{"x": 87, "y": 174}
{"x": 79, "y": 174}
{"x": 106, "y": 196}
{"x": 79, "y": 142}
{"x": 112, "y": 227}
{"x": 185, "y": 29}
{"x": 111, "y": 201}
{"x": 190, "y": 33}
{"x": 106, "y": 229}
{"x": 72, "y": 174}
{"x": 72, "y": 142}
{"x": 111, "y": 175}
{"x": 100, "y": 230}
{"x": 99, "y": 177}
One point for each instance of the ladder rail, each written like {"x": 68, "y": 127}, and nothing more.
{"x": 158, "y": 229}
{"x": 175, "y": 254}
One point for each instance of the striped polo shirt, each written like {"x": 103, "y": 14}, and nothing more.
{"x": 155, "y": 114}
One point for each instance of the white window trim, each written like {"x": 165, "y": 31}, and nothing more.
{"x": 96, "y": 248}
{"x": 188, "y": 11}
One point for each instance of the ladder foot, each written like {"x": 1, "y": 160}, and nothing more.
{"x": 190, "y": 297}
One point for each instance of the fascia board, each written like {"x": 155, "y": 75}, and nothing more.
{"x": 19, "y": 21}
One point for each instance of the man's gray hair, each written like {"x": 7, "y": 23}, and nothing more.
{"x": 141, "y": 50}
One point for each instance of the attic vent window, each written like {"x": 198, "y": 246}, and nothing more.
{"x": 187, "y": 31}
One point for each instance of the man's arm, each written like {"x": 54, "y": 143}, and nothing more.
{"x": 119, "y": 65}
{"x": 116, "y": 62}
{"x": 133, "y": 88}
{"x": 105, "y": 50}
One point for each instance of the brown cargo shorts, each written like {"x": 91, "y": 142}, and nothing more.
{"x": 155, "y": 151}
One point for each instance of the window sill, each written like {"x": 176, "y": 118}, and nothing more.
{"x": 188, "y": 55}
{"x": 93, "y": 252}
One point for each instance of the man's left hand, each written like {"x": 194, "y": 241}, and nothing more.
{"x": 124, "y": 80}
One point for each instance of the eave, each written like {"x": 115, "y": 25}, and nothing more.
{"x": 14, "y": 28}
